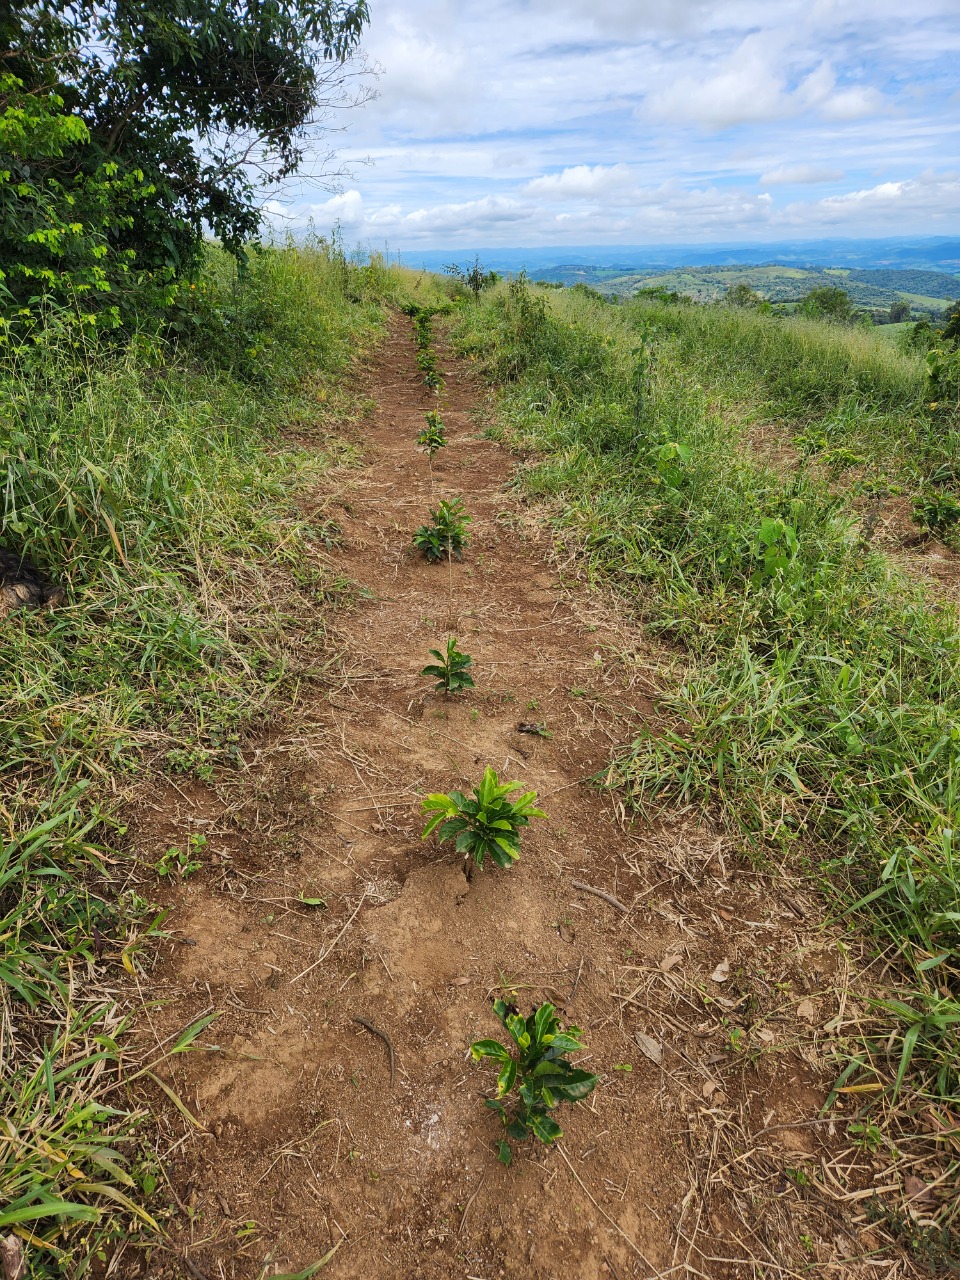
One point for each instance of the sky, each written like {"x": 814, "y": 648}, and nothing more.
{"x": 554, "y": 122}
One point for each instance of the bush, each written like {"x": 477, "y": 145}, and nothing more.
{"x": 828, "y": 302}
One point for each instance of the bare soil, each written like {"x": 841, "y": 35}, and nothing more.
{"x": 704, "y": 996}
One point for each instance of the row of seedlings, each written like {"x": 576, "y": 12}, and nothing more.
{"x": 534, "y": 1072}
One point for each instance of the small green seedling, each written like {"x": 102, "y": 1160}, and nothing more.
{"x": 537, "y": 730}
{"x": 175, "y": 863}
{"x": 540, "y": 1073}
{"x": 775, "y": 548}
{"x": 450, "y": 669}
{"x": 936, "y": 512}
{"x": 670, "y": 460}
{"x": 489, "y": 823}
{"x": 447, "y": 535}
{"x": 434, "y": 434}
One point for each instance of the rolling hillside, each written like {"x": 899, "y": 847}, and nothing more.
{"x": 927, "y": 291}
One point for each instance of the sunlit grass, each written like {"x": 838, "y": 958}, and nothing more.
{"x": 821, "y": 710}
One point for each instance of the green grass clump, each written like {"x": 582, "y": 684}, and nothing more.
{"x": 832, "y": 387}
{"x": 821, "y": 710}
{"x": 148, "y": 478}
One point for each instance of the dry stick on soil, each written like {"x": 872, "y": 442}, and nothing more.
{"x": 381, "y": 1035}
{"x": 466, "y": 1207}
{"x": 616, "y": 1225}
{"x": 320, "y": 959}
{"x": 576, "y": 982}
{"x": 601, "y": 893}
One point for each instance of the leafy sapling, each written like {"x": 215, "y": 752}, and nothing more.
{"x": 937, "y": 513}
{"x": 447, "y": 535}
{"x": 434, "y": 434}
{"x": 488, "y": 823}
{"x": 539, "y": 1074}
{"x": 775, "y": 548}
{"x": 450, "y": 669}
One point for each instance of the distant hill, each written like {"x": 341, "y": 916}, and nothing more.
{"x": 938, "y": 254}
{"x": 928, "y": 292}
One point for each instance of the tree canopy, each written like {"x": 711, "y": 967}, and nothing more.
{"x": 828, "y": 302}
{"x": 129, "y": 127}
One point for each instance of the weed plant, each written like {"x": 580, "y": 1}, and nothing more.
{"x": 834, "y": 389}
{"x": 446, "y": 535}
{"x": 821, "y": 708}
{"x": 936, "y": 512}
{"x": 537, "y": 1073}
{"x": 147, "y": 477}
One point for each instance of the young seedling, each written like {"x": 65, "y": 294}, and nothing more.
{"x": 450, "y": 669}
{"x": 175, "y": 863}
{"x": 434, "y": 434}
{"x": 539, "y": 1074}
{"x": 489, "y": 823}
{"x": 447, "y": 535}
{"x": 937, "y": 513}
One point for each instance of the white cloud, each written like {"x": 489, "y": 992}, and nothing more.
{"x": 799, "y": 174}
{"x": 748, "y": 88}
{"x": 583, "y": 181}
{"x": 852, "y": 104}
{"x": 933, "y": 196}
{"x": 754, "y": 87}
{"x": 552, "y": 122}
{"x": 668, "y": 212}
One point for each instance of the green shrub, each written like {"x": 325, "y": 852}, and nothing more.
{"x": 828, "y": 302}
{"x": 434, "y": 435}
{"x": 538, "y": 1073}
{"x": 446, "y": 535}
{"x": 936, "y": 512}
{"x": 451, "y": 668}
{"x": 488, "y": 824}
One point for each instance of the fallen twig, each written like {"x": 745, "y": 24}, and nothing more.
{"x": 601, "y": 893}
{"x": 320, "y": 959}
{"x": 613, "y": 1222}
{"x": 382, "y": 1035}
{"x": 466, "y": 1207}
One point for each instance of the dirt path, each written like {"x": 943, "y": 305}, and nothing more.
{"x": 303, "y": 1147}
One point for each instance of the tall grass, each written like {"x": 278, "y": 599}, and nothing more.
{"x": 150, "y": 479}
{"x": 832, "y": 387}
{"x": 821, "y": 713}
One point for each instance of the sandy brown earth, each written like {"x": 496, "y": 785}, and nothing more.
{"x": 704, "y": 989}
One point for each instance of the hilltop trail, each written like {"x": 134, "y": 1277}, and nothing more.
{"x": 305, "y": 1150}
